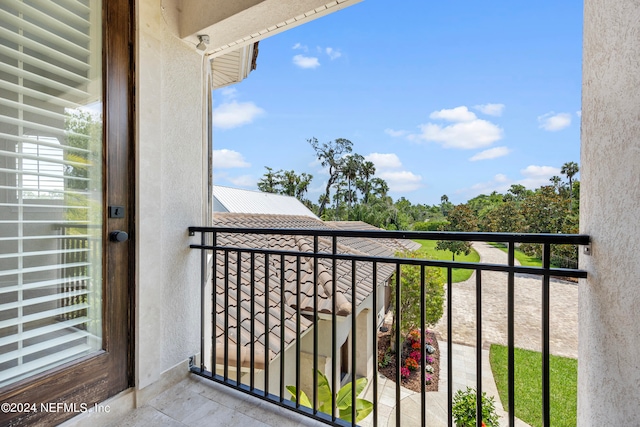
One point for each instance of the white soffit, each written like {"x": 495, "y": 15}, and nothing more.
{"x": 232, "y": 67}
{"x": 231, "y": 26}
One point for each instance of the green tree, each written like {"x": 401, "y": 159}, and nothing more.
{"x": 351, "y": 167}
{"x": 445, "y": 205}
{"x": 410, "y": 285}
{"x": 544, "y": 212}
{"x": 269, "y": 181}
{"x": 461, "y": 218}
{"x": 330, "y": 154}
{"x": 520, "y": 192}
{"x": 285, "y": 182}
{"x": 380, "y": 187}
{"x": 505, "y": 218}
{"x": 570, "y": 169}
{"x": 367, "y": 171}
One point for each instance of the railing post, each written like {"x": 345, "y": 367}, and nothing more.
{"x": 398, "y": 320}
{"x": 203, "y": 286}
{"x": 511, "y": 334}
{"x": 375, "y": 344}
{"x": 478, "y": 348}
{"x": 546, "y": 405}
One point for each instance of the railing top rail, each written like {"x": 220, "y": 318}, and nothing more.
{"x": 554, "y": 271}
{"x": 557, "y": 239}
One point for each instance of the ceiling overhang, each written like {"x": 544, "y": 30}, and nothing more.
{"x": 235, "y": 24}
{"x": 234, "y": 66}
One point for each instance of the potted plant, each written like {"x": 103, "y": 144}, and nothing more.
{"x": 464, "y": 409}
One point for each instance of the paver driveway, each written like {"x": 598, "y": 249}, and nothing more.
{"x": 528, "y": 309}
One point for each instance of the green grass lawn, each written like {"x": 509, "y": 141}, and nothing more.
{"x": 528, "y": 385}
{"x": 525, "y": 260}
{"x": 458, "y": 274}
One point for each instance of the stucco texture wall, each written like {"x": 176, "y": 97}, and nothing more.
{"x": 170, "y": 144}
{"x": 609, "y": 299}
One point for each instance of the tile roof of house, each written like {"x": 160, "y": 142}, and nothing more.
{"x": 293, "y": 274}
{"x": 398, "y": 245}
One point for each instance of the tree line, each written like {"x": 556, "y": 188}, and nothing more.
{"x": 354, "y": 192}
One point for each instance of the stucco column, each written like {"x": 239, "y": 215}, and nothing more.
{"x": 609, "y": 306}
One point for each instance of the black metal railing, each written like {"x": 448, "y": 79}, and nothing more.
{"x": 270, "y": 298}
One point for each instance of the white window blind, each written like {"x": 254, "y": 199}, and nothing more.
{"x": 50, "y": 184}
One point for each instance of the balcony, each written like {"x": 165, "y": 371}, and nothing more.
{"x": 309, "y": 300}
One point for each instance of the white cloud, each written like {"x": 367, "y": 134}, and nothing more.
{"x": 228, "y": 159}
{"x": 389, "y": 168}
{"x": 468, "y": 132}
{"x": 533, "y": 177}
{"x": 243, "y": 181}
{"x": 499, "y": 183}
{"x": 491, "y": 153}
{"x": 466, "y": 135}
{"x": 333, "y": 53}
{"x": 458, "y": 114}
{"x": 490, "y": 109}
{"x": 233, "y": 114}
{"x": 306, "y": 61}
{"x": 401, "y": 180}
{"x": 554, "y": 122}
{"x": 395, "y": 133}
{"x": 229, "y": 92}
{"x": 384, "y": 161}
{"x": 536, "y": 176}
{"x": 300, "y": 46}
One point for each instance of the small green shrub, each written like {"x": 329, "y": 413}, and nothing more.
{"x": 386, "y": 359}
{"x": 464, "y": 409}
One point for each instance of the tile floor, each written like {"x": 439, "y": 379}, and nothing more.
{"x": 198, "y": 402}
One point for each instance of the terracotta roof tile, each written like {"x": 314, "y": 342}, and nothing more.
{"x": 287, "y": 280}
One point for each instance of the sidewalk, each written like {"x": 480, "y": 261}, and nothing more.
{"x": 464, "y": 375}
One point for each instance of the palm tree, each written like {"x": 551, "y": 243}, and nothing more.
{"x": 570, "y": 169}
{"x": 380, "y": 187}
{"x": 367, "y": 170}
{"x": 350, "y": 171}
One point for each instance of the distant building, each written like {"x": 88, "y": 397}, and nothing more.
{"x": 236, "y": 200}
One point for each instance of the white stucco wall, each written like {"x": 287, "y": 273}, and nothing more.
{"x": 609, "y": 335}
{"x": 170, "y": 145}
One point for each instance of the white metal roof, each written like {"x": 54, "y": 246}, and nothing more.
{"x": 236, "y": 200}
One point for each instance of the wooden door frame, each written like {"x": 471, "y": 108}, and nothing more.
{"x": 94, "y": 378}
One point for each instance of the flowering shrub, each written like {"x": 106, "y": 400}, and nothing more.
{"x": 429, "y": 360}
{"x": 415, "y": 355}
{"x": 428, "y": 379}
{"x": 412, "y": 364}
{"x": 404, "y": 373}
{"x": 416, "y": 345}
{"x": 414, "y": 335}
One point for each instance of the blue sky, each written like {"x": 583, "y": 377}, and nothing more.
{"x": 456, "y": 97}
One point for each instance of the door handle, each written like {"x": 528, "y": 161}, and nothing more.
{"x": 118, "y": 236}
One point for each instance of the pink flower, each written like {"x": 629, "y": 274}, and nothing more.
{"x": 415, "y": 355}
{"x": 404, "y": 373}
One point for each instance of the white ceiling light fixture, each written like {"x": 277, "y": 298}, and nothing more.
{"x": 204, "y": 41}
